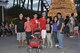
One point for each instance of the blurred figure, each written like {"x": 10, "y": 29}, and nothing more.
{"x": 76, "y": 29}
{"x": 0, "y": 31}
{"x": 72, "y": 23}
{"x": 2, "y": 27}
{"x": 11, "y": 27}
{"x": 66, "y": 28}
{"x": 6, "y": 29}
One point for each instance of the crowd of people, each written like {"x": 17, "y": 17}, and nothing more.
{"x": 50, "y": 28}
{"x": 6, "y": 29}
{"x": 72, "y": 25}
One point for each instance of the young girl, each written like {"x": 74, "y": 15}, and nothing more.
{"x": 54, "y": 29}
{"x": 28, "y": 29}
{"x": 48, "y": 29}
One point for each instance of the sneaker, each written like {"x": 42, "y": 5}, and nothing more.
{"x": 71, "y": 36}
{"x": 56, "y": 45}
{"x": 51, "y": 46}
{"x": 1, "y": 35}
{"x": 19, "y": 46}
{"x": 43, "y": 46}
{"x": 60, "y": 47}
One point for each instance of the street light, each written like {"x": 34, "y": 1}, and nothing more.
{"x": 2, "y": 14}
{"x": 3, "y": 3}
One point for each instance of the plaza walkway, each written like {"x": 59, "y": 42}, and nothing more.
{"x": 9, "y": 45}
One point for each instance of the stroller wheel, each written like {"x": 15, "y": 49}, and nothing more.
{"x": 29, "y": 50}
{"x": 38, "y": 51}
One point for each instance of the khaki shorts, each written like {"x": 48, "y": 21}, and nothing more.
{"x": 21, "y": 36}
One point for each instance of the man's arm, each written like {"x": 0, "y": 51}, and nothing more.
{"x": 51, "y": 29}
{"x": 16, "y": 29}
{"x": 24, "y": 25}
{"x": 62, "y": 27}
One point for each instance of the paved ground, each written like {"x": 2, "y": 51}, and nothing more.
{"x": 9, "y": 45}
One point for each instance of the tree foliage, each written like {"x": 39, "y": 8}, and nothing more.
{"x": 14, "y": 11}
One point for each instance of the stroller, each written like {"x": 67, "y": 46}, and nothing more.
{"x": 35, "y": 43}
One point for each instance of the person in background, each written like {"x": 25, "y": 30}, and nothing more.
{"x": 11, "y": 27}
{"x": 28, "y": 29}
{"x": 72, "y": 23}
{"x": 42, "y": 24}
{"x": 48, "y": 29}
{"x": 79, "y": 27}
{"x": 60, "y": 24}
{"x": 55, "y": 30}
{"x": 66, "y": 20}
{"x": 76, "y": 29}
{"x": 19, "y": 30}
{"x": 6, "y": 29}
{"x": 66, "y": 28}
{"x": 0, "y": 31}
{"x": 2, "y": 27}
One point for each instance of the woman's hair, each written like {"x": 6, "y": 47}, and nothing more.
{"x": 49, "y": 19}
{"x": 54, "y": 18}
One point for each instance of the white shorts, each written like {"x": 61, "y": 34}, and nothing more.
{"x": 43, "y": 34}
{"x": 21, "y": 36}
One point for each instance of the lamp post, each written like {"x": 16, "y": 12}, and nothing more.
{"x": 2, "y": 14}
{"x": 3, "y": 3}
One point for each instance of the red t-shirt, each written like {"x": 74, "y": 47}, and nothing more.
{"x": 42, "y": 23}
{"x": 28, "y": 26}
{"x": 34, "y": 23}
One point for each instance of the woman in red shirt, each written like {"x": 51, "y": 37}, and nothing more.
{"x": 28, "y": 29}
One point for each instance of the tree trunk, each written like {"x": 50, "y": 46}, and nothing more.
{"x": 13, "y": 3}
{"x": 38, "y": 5}
{"x": 17, "y": 2}
{"x": 28, "y": 4}
{"x": 31, "y": 4}
{"x": 23, "y": 3}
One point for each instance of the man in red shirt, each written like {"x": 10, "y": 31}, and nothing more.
{"x": 42, "y": 21}
{"x": 34, "y": 22}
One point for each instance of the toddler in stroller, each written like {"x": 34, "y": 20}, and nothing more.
{"x": 35, "y": 42}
